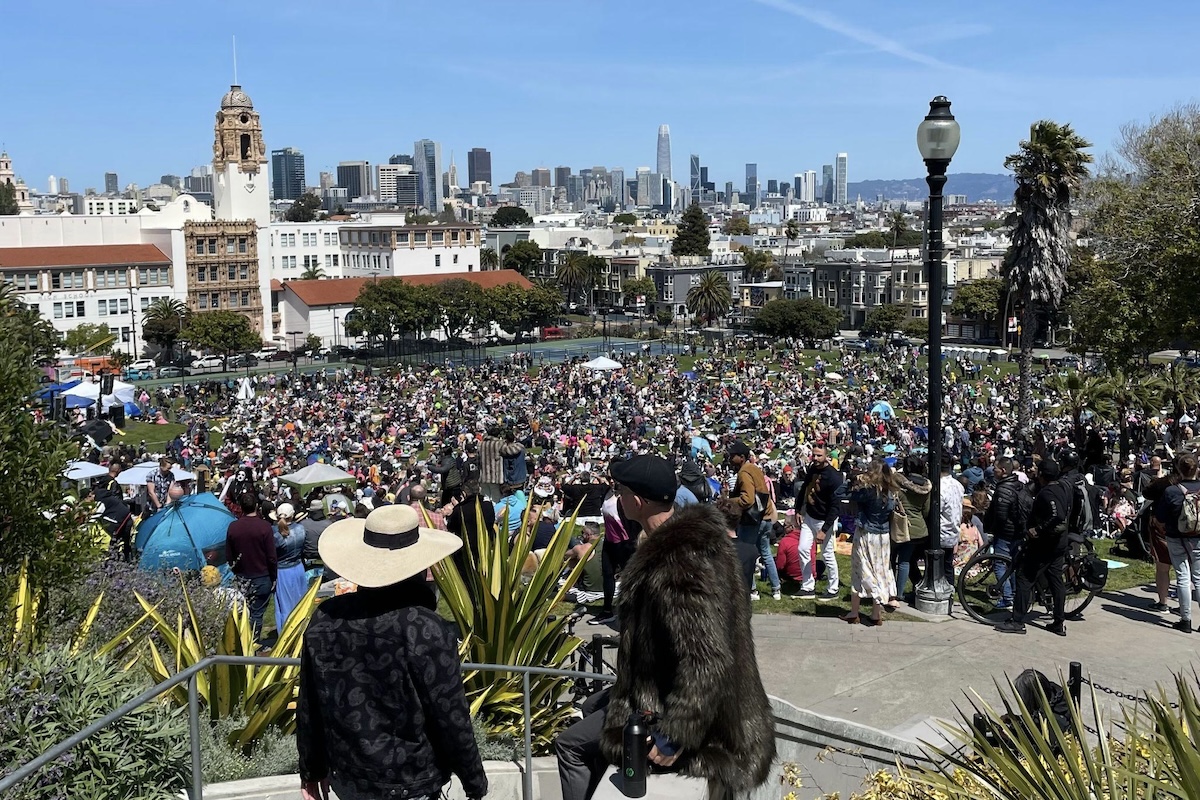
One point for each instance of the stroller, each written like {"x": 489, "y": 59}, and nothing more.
{"x": 1136, "y": 537}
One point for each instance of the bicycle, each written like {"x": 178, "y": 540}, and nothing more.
{"x": 589, "y": 657}
{"x": 981, "y": 578}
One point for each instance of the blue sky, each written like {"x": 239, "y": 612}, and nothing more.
{"x": 132, "y": 86}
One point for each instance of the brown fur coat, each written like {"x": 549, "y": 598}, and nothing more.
{"x": 687, "y": 653}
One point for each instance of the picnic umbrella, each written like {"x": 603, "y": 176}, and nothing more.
{"x": 317, "y": 474}
{"x": 833, "y": 376}
{"x": 84, "y": 470}
{"x": 188, "y": 534}
{"x": 603, "y": 363}
{"x": 140, "y": 473}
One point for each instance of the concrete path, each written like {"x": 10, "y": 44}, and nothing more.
{"x": 900, "y": 675}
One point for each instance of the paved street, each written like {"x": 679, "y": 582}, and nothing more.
{"x": 899, "y": 675}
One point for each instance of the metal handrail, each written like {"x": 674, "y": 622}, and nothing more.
{"x": 190, "y": 675}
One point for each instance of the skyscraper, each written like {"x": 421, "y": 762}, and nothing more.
{"x": 840, "y": 179}
{"x": 111, "y": 185}
{"x": 664, "y": 151}
{"x": 561, "y": 175}
{"x": 401, "y": 158}
{"x": 620, "y": 191}
{"x": 479, "y": 166}
{"x": 694, "y": 174}
{"x": 806, "y": 186}
{"x": 427, "y": 162}
{"x": 827, "y": 183}
{"x": 287, "y": 174}
{"x": 752, "y": 188}
{"x": 772, "y": 186}
{"x": 385, "y": 180}
{"x": 355, "y": 178}
{"x": 541, "y": 177}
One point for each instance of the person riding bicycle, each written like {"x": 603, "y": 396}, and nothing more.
{"x": 1044, "y": 552}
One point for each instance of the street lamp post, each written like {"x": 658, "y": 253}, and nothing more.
{"x": 937, "y": 139}
{"x": 295, "y": 355}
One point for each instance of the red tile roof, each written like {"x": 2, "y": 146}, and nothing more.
{"x": 87, "y": 255}
{"x": 276, "y": 285}
{"x": 344, "y": 291}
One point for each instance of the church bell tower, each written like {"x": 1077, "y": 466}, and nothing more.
{"x": 241, "y": 188}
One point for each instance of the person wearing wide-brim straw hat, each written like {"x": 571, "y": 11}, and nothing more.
{"x": 375, "y": 661}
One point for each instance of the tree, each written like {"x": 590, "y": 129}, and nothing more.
{"x": 524, "y": 256}
{"x": 488, "y": 259}
{"x": 979, "y": 298}
{"x": 898, "y": 225}
{"x": 915, "y": 328}
{"x": 90, "y": 339}
{"x": 8, "y": 200}
{"x": 339, "y": 210}
{"x": 448, "y": 215}
{"x": 664, "y": 317}
{"x": 757, "y": 264}
{"x": 791, "y": 231}
{"x": 1136, "y": 392}
{"x": 736, "y": 226}
{"x": 511, "y": 216}
{"x": 37, "y": 334}
{"x": 1076, "y": 393}
{"x": 163, "y": 321}
{"x": 691, "y": 237}
{"x": 640, "y": 287}
{"x": 625, "y": 219}
{"x": 709, "y": 299}
{"x": 461, "y": 303}
{"x": 883, "y": 320}
{"x": 417, "y": 218}
{"x": 312, "y": 273}
{"x": 578, "y": 274}
{"x": 304, "y": 208}
{"x": 1048, "y": 169}
{"x": 224, "y": 332}
{"x": 312, "y": 344}
{"x": 807, "y": 319}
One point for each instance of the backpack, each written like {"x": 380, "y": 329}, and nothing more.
{"x": 1081, "y": 516}
{"x": 1189, "y": 515}
{"x": 1024, "y": 508}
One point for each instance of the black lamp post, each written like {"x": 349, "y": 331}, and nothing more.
{"x": 295, "y": 355}
{"x": 937, "y": 139}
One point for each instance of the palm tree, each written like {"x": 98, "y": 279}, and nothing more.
{"x": 488, "y": 259}
{"x": 898, "y": 225}
{"x": 1048, "y": 169}
{"x": 1180, "y": 389}
{"x": 1133, "y": 392}
{"x": 163, "y": 321}
{"x": 1080, "y": 394}
{"x": 790, "y": 231}
{"x": 577, "y": 272}
{"x": 312, "y": 273}
{"x": 710, "y": 298}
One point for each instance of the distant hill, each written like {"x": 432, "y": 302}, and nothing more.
{"x": 977, "y": 186}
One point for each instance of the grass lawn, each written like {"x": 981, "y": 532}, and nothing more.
{"x": 156, "y": 436}
{"x": 1138, "y": 573}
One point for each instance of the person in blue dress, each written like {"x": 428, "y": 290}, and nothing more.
{"x": 291, "y": 583}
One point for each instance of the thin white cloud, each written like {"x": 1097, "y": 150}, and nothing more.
{"x": 874, "y": 40}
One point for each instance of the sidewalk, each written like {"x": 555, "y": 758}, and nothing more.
{"x": 898, "y": 676}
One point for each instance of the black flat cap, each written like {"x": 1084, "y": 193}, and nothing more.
{"x": 649, "y": 477}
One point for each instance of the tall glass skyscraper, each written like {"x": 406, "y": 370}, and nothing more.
{"x": 827, "y": 183}
{"x": 664, "y": 151}
{"x": 427, "y": 161}
{"x": 751, "y": 197}
{"x": 841, "y": 164}
{"x": 287, "y": 174}
{"x": 479, "y": 166}
{"x": 697, "y": 186}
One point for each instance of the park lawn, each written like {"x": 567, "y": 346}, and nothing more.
{"x": 158, "y": 436}
{"x": 1138, "y": 573}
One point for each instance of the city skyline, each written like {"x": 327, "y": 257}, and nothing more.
{"x": 869, "y": 81}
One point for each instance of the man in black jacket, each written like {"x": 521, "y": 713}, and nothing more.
{"x": 817, "y": 510}
{"x": 381, "y": 710}
{"x": 1045, "y": 550}
{"x": 1004, "y": 520}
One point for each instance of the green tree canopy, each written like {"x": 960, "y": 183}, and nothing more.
{"x": 664, "y": 317}
{"x": 163, "y": 321}
{"x": 626, "y": 218}
{"x": 980, "y": 298}
{"x": 38, "y": 336}
{"x": 691, "y": 236}
{"x": 640, "y": 287}
{"x": 92, "y": 339}
{"x": 447, "y": 215}
{"x": 312, "y": 273}
{"x": 417, "y": 218}
{"x": 710, "y": 298}
{"x": 304, "y": 208}
{"x": 510, "y": 217}
{"x": 578, "y": 274}
{"x": 736, "y": 226}
{"x": 806, "y": 319}
{"x": 224, "y": 332}
{"x": 461, "y": 303}
{"x": 758, "y": 263}
{"x": 884, "y": 319}
{"x": 915, "y": 328}
{"x": 8, "y": 200}
{"x": 488, "y": 259}
{"x": 524, "y": 256}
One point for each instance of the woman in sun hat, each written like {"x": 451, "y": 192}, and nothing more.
{"x": 381, "y": 709}
{"x": 291, "y": 584}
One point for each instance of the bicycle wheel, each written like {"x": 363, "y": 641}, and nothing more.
{"x": 1078, "y": 596}
{"x": 979, "y": 584}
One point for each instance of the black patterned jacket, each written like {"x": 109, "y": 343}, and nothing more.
{"x": 382, "y": 712}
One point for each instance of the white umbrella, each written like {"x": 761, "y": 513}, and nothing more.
{"x": 84, "y": 470}
{"x": 318, "y": 474}
{"x": 603, "y": 363}
{"x": 833, "y": 376}
{"x": 140, "y": 473}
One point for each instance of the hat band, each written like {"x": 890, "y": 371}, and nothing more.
{"x": 391, "y": 541}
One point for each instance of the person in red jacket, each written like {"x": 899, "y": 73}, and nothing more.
{"x": 787, "y": 557}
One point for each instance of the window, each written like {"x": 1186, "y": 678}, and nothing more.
{"x": 244, "y": 272}
{"x": 438, "y": 237}
{"x": 199, "y": 247}
{"x": 437, "y": 261}
{"x": 214, "y": 300}
{"x": 242, "y": 244}
{"x": 203, "y": 301}
{"x": 328, "y": 260}
{"x": 231, "y": 271}
{"x": 233, "y": 299}
{"x": 229, "y": 247}
{"x": 374, "y": 237}
{"x": 200, "y": 273}
{"x": 212, "y": 274}
{"x": 143, "y": 276}
{"x": 245, "y": 298}
{"x": 145, "y": 303}
{"x": 402, "y": 237}
{"x": 124, "y": 305}
{"x": 102, "y": 308}
{"x": 212, "y": 247}
{"x": 455, "y": 258}
{"x": 419, "y": 237}
{"x": 335, "y": 259}
{"x": 328, "y": 239}
{"x": 58, "y": 310}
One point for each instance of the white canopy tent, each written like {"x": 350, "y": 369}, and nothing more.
{"x": 84, "y": 470}
{"x": 318, "y": 474}
{"x": 122, "y": 393}
{"x": 140, "y": 473}
{"x": 603, "y": 363}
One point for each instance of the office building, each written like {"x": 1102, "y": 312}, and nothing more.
{"x": 728, "y": 192}
{"x": 650, "y": 189}
{"x": 64, "y": 187}
{"x": 772, "y": 186}
{"x": 561, "y": 175}
{"x": 540, "y": 177}
{"x": 326, "y": 181}
{"x": 479, "y": 166}
{"x": 752, "y": 187}
{"x": 355, "y": 178}
{"x": 840, "y": 179}
{"x": 427, "y": 162}
{"x": 805, "y": 186}
{"x": 111, "y": 185}
{"x": 620, "y": 192}
{"x": 664, "y": 151}
{"x": 696, "y": 184}
{"x": 385, "y": 180}
{"x": 401, "y": 158}
{"x": 827, "y": 183}
{"x": 287, "y": 174}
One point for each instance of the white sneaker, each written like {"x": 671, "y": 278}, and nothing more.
{"x": 753, "y": 596}
{"x": 775, "y": 595}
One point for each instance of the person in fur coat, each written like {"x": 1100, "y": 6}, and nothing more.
{"x": 686, "y": 650}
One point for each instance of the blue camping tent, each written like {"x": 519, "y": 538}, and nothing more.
{"x": 188, "y": 534}
{"x": 132, "y": 410}
{"x": 884, "y": 409}
{"x": 55, "y": 388}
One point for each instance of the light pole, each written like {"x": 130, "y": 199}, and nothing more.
{"x": 937, "y": 139}
{"x": 295, "y": 355}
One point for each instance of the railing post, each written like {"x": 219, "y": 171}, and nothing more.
{"x": 527, "y": 779}
{"x": 1075, "y": 681}
{"x": 194, "y": 737}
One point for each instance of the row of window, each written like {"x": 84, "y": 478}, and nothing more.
{"x": 107, "y": 307}
{"x": 307, "y": 239}
{"x": 211, "y": 300}
{"x": 210, "y": 246}
{"x": 402, "y": 237}
{"x": 113, "y": 307}
{"x": 76, "y": 279}
{"x": 233, "y": 272}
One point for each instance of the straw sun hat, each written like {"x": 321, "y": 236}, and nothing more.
{"x": 385, "y": 548}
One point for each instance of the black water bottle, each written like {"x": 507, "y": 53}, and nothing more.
{"x": 635, "y": 755}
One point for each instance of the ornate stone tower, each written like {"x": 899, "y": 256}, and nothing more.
{"x": 241, "y": 188}
{"x": 8, "y": 176}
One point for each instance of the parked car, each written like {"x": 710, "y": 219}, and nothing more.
{"x": 278, "y": 355}
{"x": 172, "y": 372}
{"x": 242, "y": 360}
{"x": 208, "y": 363}
{"x": 339, "y": 352}
{"x": 262, "y": 355}
{"x": 856, "y": 344}
{"x": 137, "y": 375}
{"x": 143, "y": 364}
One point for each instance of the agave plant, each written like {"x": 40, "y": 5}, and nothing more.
{"x": 506, "y": 616}
{"x": 23, "y": 612}
{"x": 263, "y": 696}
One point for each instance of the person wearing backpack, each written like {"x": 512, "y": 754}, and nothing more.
{"x": 1179, "y": 511}
{"x": 1004, "y": 520}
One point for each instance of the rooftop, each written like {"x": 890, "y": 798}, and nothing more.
{"x": 344, "y": 291}
{"x": 90, "y": 255}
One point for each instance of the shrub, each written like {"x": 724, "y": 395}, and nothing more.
{"x": 274, "y": 754}
{"x": 499, "y": 747}
{"x": 51, "y": 694}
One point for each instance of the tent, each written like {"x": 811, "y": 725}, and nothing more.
{"x": 122, "y": 393}
{"x": 55, "y": 388}
{"x": 833, "y": 376}
{"x": 84, "y": 470}
{"x": 603, "y": 363}
{"x": 318, "y": 474}
{"x": 884, "y": 409}
{"x": 188, "y": 534}
{"x": 245, "y": 389}
{"x": 138, "y": 474}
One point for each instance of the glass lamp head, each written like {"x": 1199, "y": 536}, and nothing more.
{"x": 938, "y": 134}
